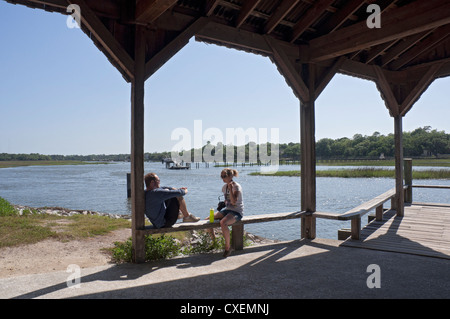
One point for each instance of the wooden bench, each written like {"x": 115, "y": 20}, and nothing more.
{"x": 237, "y": 238}
{"x": 355, "y": 214}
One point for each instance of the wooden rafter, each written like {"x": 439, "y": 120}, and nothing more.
{"x": 386, "y": 91}
{"x": 422, "y": 84}
{"x": 105, "y": 38}
{"x": 427, "y": 44}
{"x": 403, "y": 46}
{"x": 230, "y": 36}
{"x": 325, "y": 78}
{"x": 280, "y": 12}
{"x": 311, "y": 15}
{"x": 398, "y": 23}
{"x": 400, "y": 102}
{"x": 286, "y": 65}
{"x": 247, "y": 8}
{"x": 378, "y": 50}
{"x": 149, "y": 10}
{"x": 341, "y": 16}
{"x": 210, "y": 6}
{"x": 174, "y": 46}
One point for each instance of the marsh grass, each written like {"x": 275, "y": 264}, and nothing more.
{"x": 363, "y": 173}
{"x": 5, "y": 164}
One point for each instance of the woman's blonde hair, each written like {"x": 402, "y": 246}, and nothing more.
{"x": 229, "y": 172}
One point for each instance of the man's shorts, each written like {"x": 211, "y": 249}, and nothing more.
{"x": 172, "y": 209}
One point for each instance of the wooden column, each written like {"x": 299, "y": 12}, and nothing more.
{"x": 408, "y": 179}
{"x": 137, "y": 147}
{"x": 400, "y": 195}
{"x": 308, "y": 159}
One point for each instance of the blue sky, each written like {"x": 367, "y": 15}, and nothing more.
{"x": 60, "y": 95}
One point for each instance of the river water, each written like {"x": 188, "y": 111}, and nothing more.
{"x": 102, "y": 188}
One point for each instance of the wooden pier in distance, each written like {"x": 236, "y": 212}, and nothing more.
{"x": 423, "y": 230}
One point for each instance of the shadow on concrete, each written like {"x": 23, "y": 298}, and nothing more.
{"x": 292, "y": 270}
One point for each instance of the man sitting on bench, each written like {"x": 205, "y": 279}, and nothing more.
{"x": 164, "y": 205}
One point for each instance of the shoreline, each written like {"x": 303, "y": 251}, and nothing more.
{"x": 61, "y": 211}
{"x": 51, "y": 254}
{"x": 65, "y": 212}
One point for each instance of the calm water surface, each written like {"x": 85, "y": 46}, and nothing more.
{"x": 102, "y": 187}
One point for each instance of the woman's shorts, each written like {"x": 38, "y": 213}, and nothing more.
{"x": 236, "y": 215}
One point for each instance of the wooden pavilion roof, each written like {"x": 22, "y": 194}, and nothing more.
{"x": 309, "y": 41}
{"x": 331, "y": 34}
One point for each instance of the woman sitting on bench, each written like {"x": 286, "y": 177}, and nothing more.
{"x": 234, "y": 209}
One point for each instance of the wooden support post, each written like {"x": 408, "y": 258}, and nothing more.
{"x": 137, "y": 147}
{"x": 356, "y": 228}
{"x": 308, "y": 160}
{"x": 237, "y": 236}
{"x": 379, "y": 213}
{"x": 408, "y": 179}
{"x": 400, "y": 195}
{"x": 128, "y": 185}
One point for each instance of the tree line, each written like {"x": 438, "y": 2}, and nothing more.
{"x": 419, "y": 142}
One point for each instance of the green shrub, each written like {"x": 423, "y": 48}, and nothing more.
{"x": 6, "y": 209}
{"x": 162, "y": 247}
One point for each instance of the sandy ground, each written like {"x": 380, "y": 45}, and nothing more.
{"x": 53, "y": 255}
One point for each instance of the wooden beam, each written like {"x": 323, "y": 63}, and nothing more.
{"x": 280, "y": 12}
{"x": 385, "y": 89}
{"x": 416, "y": 80}
{"x": 62, "y": 4}
{"x": 308, "y": 159}
{"x": 105, "y": 38}
{"x": 424, "y": 82}
{"x": 287, "y": 67}
{"x": 398, "y": 141}
{"x": 160, "y": 58}
{"x": 137, "y": 148}
{"x": 329, "y": 74}
{"x": 308, "y": 19}
{"x": 444, "y": 71}
{"x": 246, "y": 9}
{"x": 358, "y": 69}
{"x": 149, "y": 10}
{"x": 397, "y": 23}
{"x": 226, "y": 35}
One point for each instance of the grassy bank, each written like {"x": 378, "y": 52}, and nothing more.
{"x": 363, "y": 172}
{"x": 31, "y": 227}
{"x": 5, "y": 164}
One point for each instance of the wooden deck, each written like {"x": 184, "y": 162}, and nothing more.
{"x": 424, "y": 230}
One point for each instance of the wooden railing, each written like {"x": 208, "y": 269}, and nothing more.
{"x": 354, "y": 214}
{"x": 409, "y": 182}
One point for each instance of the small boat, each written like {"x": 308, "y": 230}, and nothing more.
{"x": 180, "y": 166}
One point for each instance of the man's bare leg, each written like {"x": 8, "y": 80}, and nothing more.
{"x": 183, "y": 209}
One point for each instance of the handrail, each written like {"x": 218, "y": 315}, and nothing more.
{"x": 432, "y": 186}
